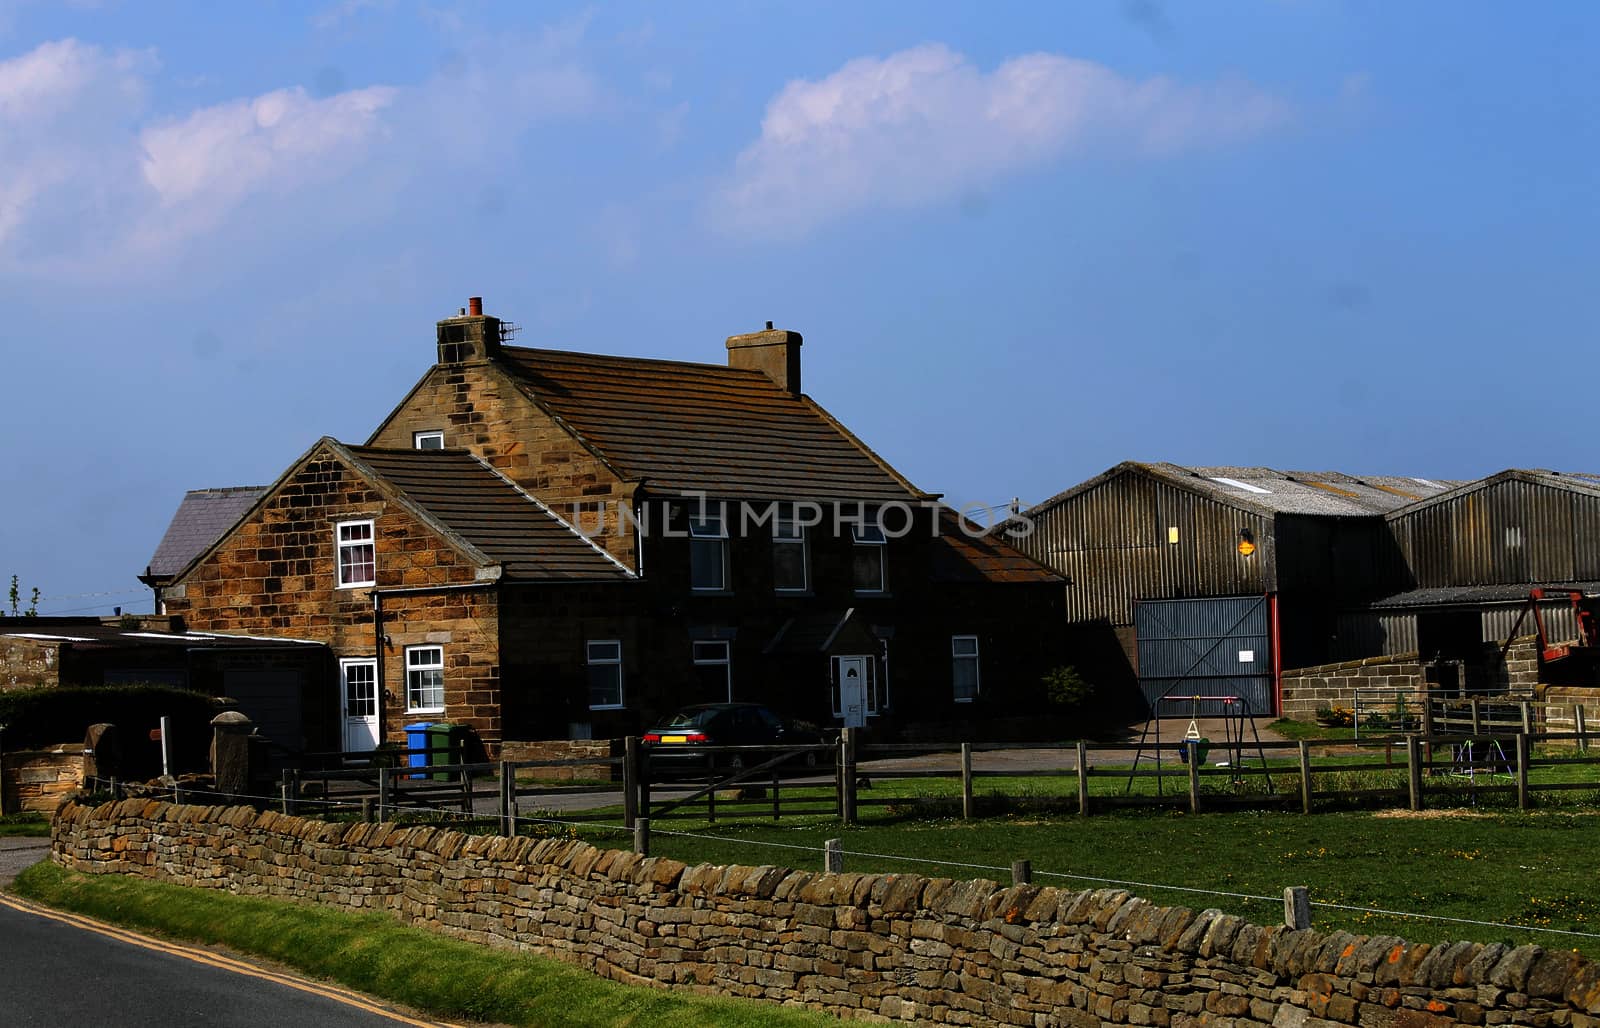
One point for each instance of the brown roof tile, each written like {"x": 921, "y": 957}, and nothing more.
{"x": 478, "y": 506}
{"x": 967, "y": 556}
{"x": 729, "y": 432}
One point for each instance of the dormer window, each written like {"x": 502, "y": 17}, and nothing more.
{"x": 432, "y": 439}
{"x": 871, "y": 548}
{"x": 708, "y": 551}
{"x": 358, "y": 562}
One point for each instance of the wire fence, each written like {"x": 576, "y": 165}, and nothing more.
{"x": 832, "y": 853}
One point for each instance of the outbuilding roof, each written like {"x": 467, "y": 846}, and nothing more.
{"x": 732, "y": 433}
{"x": 1581, "y": 482}
{"x": 1270, "y": 491}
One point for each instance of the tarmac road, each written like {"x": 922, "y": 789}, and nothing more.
{"x": 62, "y": 969}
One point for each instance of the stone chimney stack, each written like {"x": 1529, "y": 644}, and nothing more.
{"x": 469, "y": 336}
{"x": 773, "y": 352}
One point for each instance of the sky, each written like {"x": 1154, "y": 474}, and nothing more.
{"x": 1024, "y": 242}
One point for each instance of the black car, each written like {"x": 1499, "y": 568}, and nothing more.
{"x": 679, "y": 742}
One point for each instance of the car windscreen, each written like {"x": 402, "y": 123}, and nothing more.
{"x": 690, "y": 719}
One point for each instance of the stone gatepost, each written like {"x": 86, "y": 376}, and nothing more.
{"x": 231, "y": 753}
{"x": 102, "y": 753}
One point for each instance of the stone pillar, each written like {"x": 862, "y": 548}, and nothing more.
{"x": 102, "y": 753}
{"x": 231, "y": 753}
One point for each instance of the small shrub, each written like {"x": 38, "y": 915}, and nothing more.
{"x": 1067, "y": 690}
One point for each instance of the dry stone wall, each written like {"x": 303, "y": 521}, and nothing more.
{"x": 888, "y": 947}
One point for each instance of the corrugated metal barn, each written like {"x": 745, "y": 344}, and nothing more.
{"x": 1198, "y": 539}
{"x": 1464, "y": 561}
{"x": 1192, "y": 568}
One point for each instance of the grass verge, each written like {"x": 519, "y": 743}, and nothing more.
{"x": 375, "y": 954}
{"x": 29, "y": 824}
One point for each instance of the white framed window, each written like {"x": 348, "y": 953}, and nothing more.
{"x": 358, "y": 563}
{"x": 424, "y": 679}
{"x": 432, "y": 439}
{"x": 604, "y": 660}
{"x": 713, "y": 666}
{"x": 791, "y": 564}
{"x": 708, "y": 550}
{"x": 964, "y": 667}
{"x": 871, "y": 549}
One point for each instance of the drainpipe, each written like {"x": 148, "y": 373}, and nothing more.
{"x": 377, "y": 652}
{"x": 1277, "y": 655}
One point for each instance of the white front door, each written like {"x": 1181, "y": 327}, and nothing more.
{"x": 360, "y": 681}
{"x": 853, "y": 691}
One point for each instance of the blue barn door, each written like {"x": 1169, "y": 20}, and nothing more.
{"x": 1213, "y": 647}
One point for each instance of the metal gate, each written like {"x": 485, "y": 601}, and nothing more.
{"x": 1212, "y": 647}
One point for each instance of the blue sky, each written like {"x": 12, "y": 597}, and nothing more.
{"x": 1023, "y": 242}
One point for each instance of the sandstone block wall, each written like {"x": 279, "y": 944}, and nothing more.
{"x": 566, "y": 749}
{"x": 1334, "y": 685}
{"x": 891, "y": 947}
{"x": 38, "y": 780}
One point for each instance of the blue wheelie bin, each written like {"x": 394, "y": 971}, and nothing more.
{"x": 417, "y": 739}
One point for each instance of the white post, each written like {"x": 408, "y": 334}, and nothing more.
{"x": 166, "y": 747}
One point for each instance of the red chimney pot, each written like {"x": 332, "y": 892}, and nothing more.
{"x": 475, "y": 306}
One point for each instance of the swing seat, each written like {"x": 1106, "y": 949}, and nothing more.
{"x": 1194, "y": 750}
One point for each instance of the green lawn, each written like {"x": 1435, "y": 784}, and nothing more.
{"x": 1530, "y": 869}
{"x": 26, "y": 824}
{"x": 377, "y": 955}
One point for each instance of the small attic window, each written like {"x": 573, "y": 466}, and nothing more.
{"x": 433, "y": 439}
{"x": 1247, "y": 487}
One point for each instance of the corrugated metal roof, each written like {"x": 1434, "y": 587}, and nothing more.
{"x": 1444, "y": 596}
{"x": 1575, "y": 481}
{"x": 469, "y": 499}
{"x": 1271, "y": 491}
{"x": 730, "y": 432}
{"x": 201, "y": 519}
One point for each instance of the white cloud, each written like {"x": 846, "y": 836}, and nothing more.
{"x": 207, "y": 163}
{"x": 93, "y": 183}
{"x": 925, "y": 124}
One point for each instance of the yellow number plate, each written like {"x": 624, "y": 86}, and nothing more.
{"x": 674, "y": 738}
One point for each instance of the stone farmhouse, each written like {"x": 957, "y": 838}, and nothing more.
{"x": 552, "y": 545}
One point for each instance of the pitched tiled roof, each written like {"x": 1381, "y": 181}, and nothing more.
{"x": 969, "y": 556}
{"x": 1270, "y": 491}
{"x": 201, "y": 519}
{"x": 730, "y": 432}
{"x": 473, "y": 503}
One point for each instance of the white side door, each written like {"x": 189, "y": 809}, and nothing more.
{"x": 853, "y": 691}
{"x": 359, "y": 679}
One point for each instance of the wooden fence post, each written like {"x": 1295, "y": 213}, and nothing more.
{"x": 1297, "y": 907}
{"x": 1522, "y": 772}
{"x": 1021, "y": 872}
{"x": 847, "y": 776}
{"x": 966, "y": 779}
{"x": 1194, "y": 780}
{"x": 1083, "y": 778}
{"x": 630, "y": 779}
{"x": 508, "y": 787}
{"x": 1477, "y": 720}
{"x": 385, "y": 785}
{"x": 1305, "y": 777}
{"x": 1427, "y": 714}
{"x": 1527, "y": 718}
{"x": 466, "y": 789}
{"x": 1583, "y": 742}
{"x": 833, "y": 856}
{"x": 286, "y": 791}
{"x": 641, "y": 836}
{"x": 366, "y": 809}
{"x": 1414, "y": 771}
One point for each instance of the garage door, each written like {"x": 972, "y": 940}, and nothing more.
{"x": 272, "y": 701}
{"x": 1209, "y": 648}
